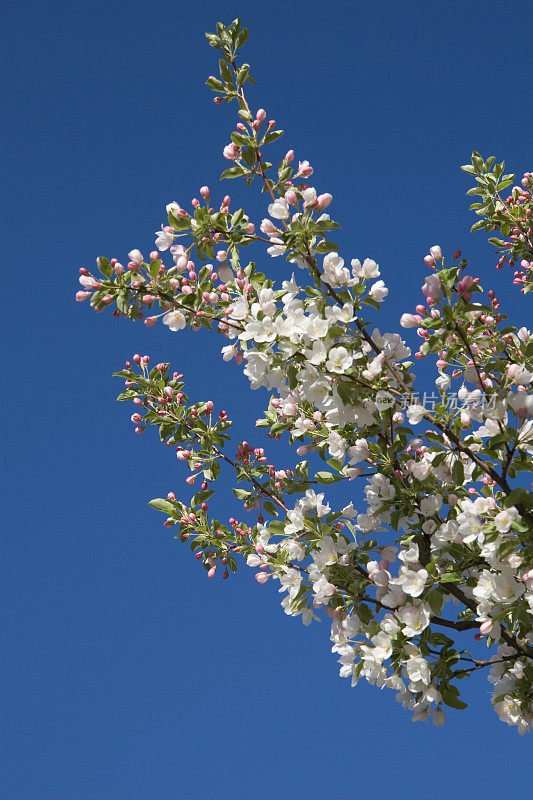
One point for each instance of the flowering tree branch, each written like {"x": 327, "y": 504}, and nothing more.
{"x": 445, "y": 536}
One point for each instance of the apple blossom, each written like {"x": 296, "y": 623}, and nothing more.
{"x": 279, "y": 209}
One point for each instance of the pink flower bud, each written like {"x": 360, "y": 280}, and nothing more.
{"x": 148, "y": 299}
{"x": 81, "y": 296}
{"x": 439, "y": 717}
{"x": 139, "y": 430}
{"x": 289, "y": 156}
{"x": 465, "y": 284}
{"x": 527, "y": 577}
{"x": 410, "y": 320}
{"x": 135, "y": 256}
{"x": 89, "y": 282}
{"x": 436, "y": 252}
{"x": 486, "y": 627}
{"x": 431, "y": 287}
{"x": 232, "y": 151}
{"x": 323, "y": 200}
{"x": 149, "y": 321}
{"x": 305, "y": 169}
{"x": 261, "y": 577}
{"x": 268, "y": 227}
{"x": 465, "y": 419}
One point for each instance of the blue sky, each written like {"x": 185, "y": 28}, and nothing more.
{"x": 127, "y": 674}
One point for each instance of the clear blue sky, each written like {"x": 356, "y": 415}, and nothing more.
{"x": 128, "y": 675}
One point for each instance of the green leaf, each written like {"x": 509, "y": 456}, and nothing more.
{"x": 127, "y": 394}
{"x": 237, "y": 217}
{"x": 395, "y": 518}
{"x": 240, "y": 139}
{"x": 270, "y": 508}
{"x": 104, "y": 266}
{"x": 225, "y": 72}
{"x": 122, "y": 301}
{"x": 276, "y": 526}
{"x": 272, "y": 136}
{"x": 215, "y": 84}
{"x": 435, "y": 599}
{"x": 154, "y": 268}
{"x": 518, "y": 495}
{"x": 242, "y": 75}
{"x": 163, "y": 505}
{"x": 440, "y": 638}
{"x": 233, "y": 172}
{"x": 326, "y": 477}
{"x": 327, "y": 225}
{"x": 326, "y": 247}
{"x": 369, "y": 301}
{"x": 458, "y": 473}
{"x": 202, "y": 497}
{"x": 179, "y": 224}
{"x": 242, "y": 494}
{"x": 449, "y": 577}
{"x": 364, "y": 613}
{"x": 450, "y": 696}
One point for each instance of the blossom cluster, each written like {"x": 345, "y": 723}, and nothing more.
{"x": 443, "y": 538}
